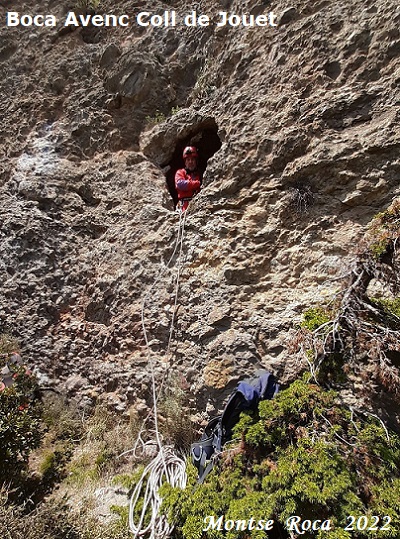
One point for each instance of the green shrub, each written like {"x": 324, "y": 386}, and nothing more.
{"x": 301, "y": 454}
{"x": 384, "y": 230}
{"x": 20, "y": 430}
{"x": 158, "y": 118}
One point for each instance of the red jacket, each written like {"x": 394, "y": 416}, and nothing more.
{"x": 187, "y": 183}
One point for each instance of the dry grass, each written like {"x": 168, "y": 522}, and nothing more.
{"x": 54, "y": 520}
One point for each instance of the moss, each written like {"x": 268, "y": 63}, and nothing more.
{"x": 315, "y": 317}
{"x": 53, "y": 465}
{"x": 391, "y": 306}
{"x": 384, "y": 229}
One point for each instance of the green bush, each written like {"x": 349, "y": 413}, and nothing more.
{"x": 20, "y": 430}
{"x": 301, "y": 454}
{"x": 158, "y": 118}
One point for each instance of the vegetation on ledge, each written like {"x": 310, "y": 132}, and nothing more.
{"x": 357, "y": 327}
{"x": 302, "y": 454}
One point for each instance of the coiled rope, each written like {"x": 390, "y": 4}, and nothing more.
{"x": 166, "y": 466}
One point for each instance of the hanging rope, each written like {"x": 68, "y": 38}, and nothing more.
{"x": 166, "y": 466}
{"x": 178, "y": 241}
{"x": 160, "y": 275}
{"x": 178, "y": 274}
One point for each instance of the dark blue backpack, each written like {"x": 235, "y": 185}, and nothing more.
{"x": 218, "y": 431}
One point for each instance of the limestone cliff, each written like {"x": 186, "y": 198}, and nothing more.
{"x": 298, "y": 128}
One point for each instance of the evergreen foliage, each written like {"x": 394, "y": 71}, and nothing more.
{"x": 302, "y": 454}
{"x": 20, "y": 430}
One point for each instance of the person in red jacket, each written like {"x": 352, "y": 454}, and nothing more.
{"x": 188, "y": 179}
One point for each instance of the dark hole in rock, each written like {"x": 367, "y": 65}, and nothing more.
{"x": 333, "y": 70}
{"x": 97, "y": 312}
{"x": 205, "y": 138}
{"x": 336, "y": 26}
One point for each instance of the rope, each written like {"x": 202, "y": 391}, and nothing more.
{"x": 166, "y": 466}
{"x": 177, "y": 284}
{"x": 160, "y": 275}
{"x": 149, "y": 358}
{"x": 178, "y": 241}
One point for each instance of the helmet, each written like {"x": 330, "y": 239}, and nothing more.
{"x": 190, "y": 151}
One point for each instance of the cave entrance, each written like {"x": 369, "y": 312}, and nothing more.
{"x": 205, "y": 138}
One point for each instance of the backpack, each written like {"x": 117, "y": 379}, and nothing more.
{"x": 218, "y": 431}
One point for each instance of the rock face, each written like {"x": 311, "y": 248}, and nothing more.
{"x": 299, "y": 127}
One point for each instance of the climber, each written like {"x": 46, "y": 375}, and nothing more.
{"x": 188, "y": 179}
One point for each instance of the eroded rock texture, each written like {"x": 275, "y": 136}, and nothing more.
{"x": 299, "y": 124}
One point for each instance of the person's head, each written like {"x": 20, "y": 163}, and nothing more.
{"x": 190, "y": 157}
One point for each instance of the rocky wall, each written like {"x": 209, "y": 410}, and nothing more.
{"x": 307, "y": 117}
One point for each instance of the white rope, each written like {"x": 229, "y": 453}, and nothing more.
{"x": 171, "y": 331}
{"x": 165, "y": 467}
{"x": 160, "y": 275}
{"x": 149, "y": 358}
